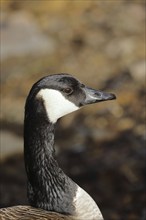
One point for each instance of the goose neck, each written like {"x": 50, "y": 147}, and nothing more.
{"x": 48, "y": 187}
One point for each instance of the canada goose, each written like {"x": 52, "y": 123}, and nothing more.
{"x": 51, "y": 193}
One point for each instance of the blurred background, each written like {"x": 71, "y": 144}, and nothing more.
{"x": 101, "y": 147}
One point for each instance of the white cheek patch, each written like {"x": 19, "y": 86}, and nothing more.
{"x": 56, "y": 104}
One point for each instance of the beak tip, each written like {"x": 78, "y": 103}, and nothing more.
{"x": 94, "y": 96}
{"x": 112, "y": 96}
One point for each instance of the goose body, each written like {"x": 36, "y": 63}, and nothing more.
{"x": 51, "y": 193}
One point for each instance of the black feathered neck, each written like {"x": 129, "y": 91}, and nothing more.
{"x": 48, "y": 187}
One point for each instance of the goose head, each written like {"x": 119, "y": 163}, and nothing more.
{"x": 61, "y": 94}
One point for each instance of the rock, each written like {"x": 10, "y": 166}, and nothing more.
{"x": 120, "y": 47}
{"x": 125, "y": 124}
{"x": 138, "y": 71}
{"x": 21, "y": 35}
{"x": 10, "y": 144}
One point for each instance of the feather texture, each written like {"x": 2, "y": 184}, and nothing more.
{"x": 30, "y": 213}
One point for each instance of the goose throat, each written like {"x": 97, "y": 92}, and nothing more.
{"x": 48, "y": 186}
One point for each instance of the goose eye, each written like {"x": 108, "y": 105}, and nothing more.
{"x": 68, "y": 91}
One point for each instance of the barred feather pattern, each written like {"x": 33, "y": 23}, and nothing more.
{"x": 29, "y": 213}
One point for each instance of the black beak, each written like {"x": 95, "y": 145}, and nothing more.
{"x": 93, "y": 96}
